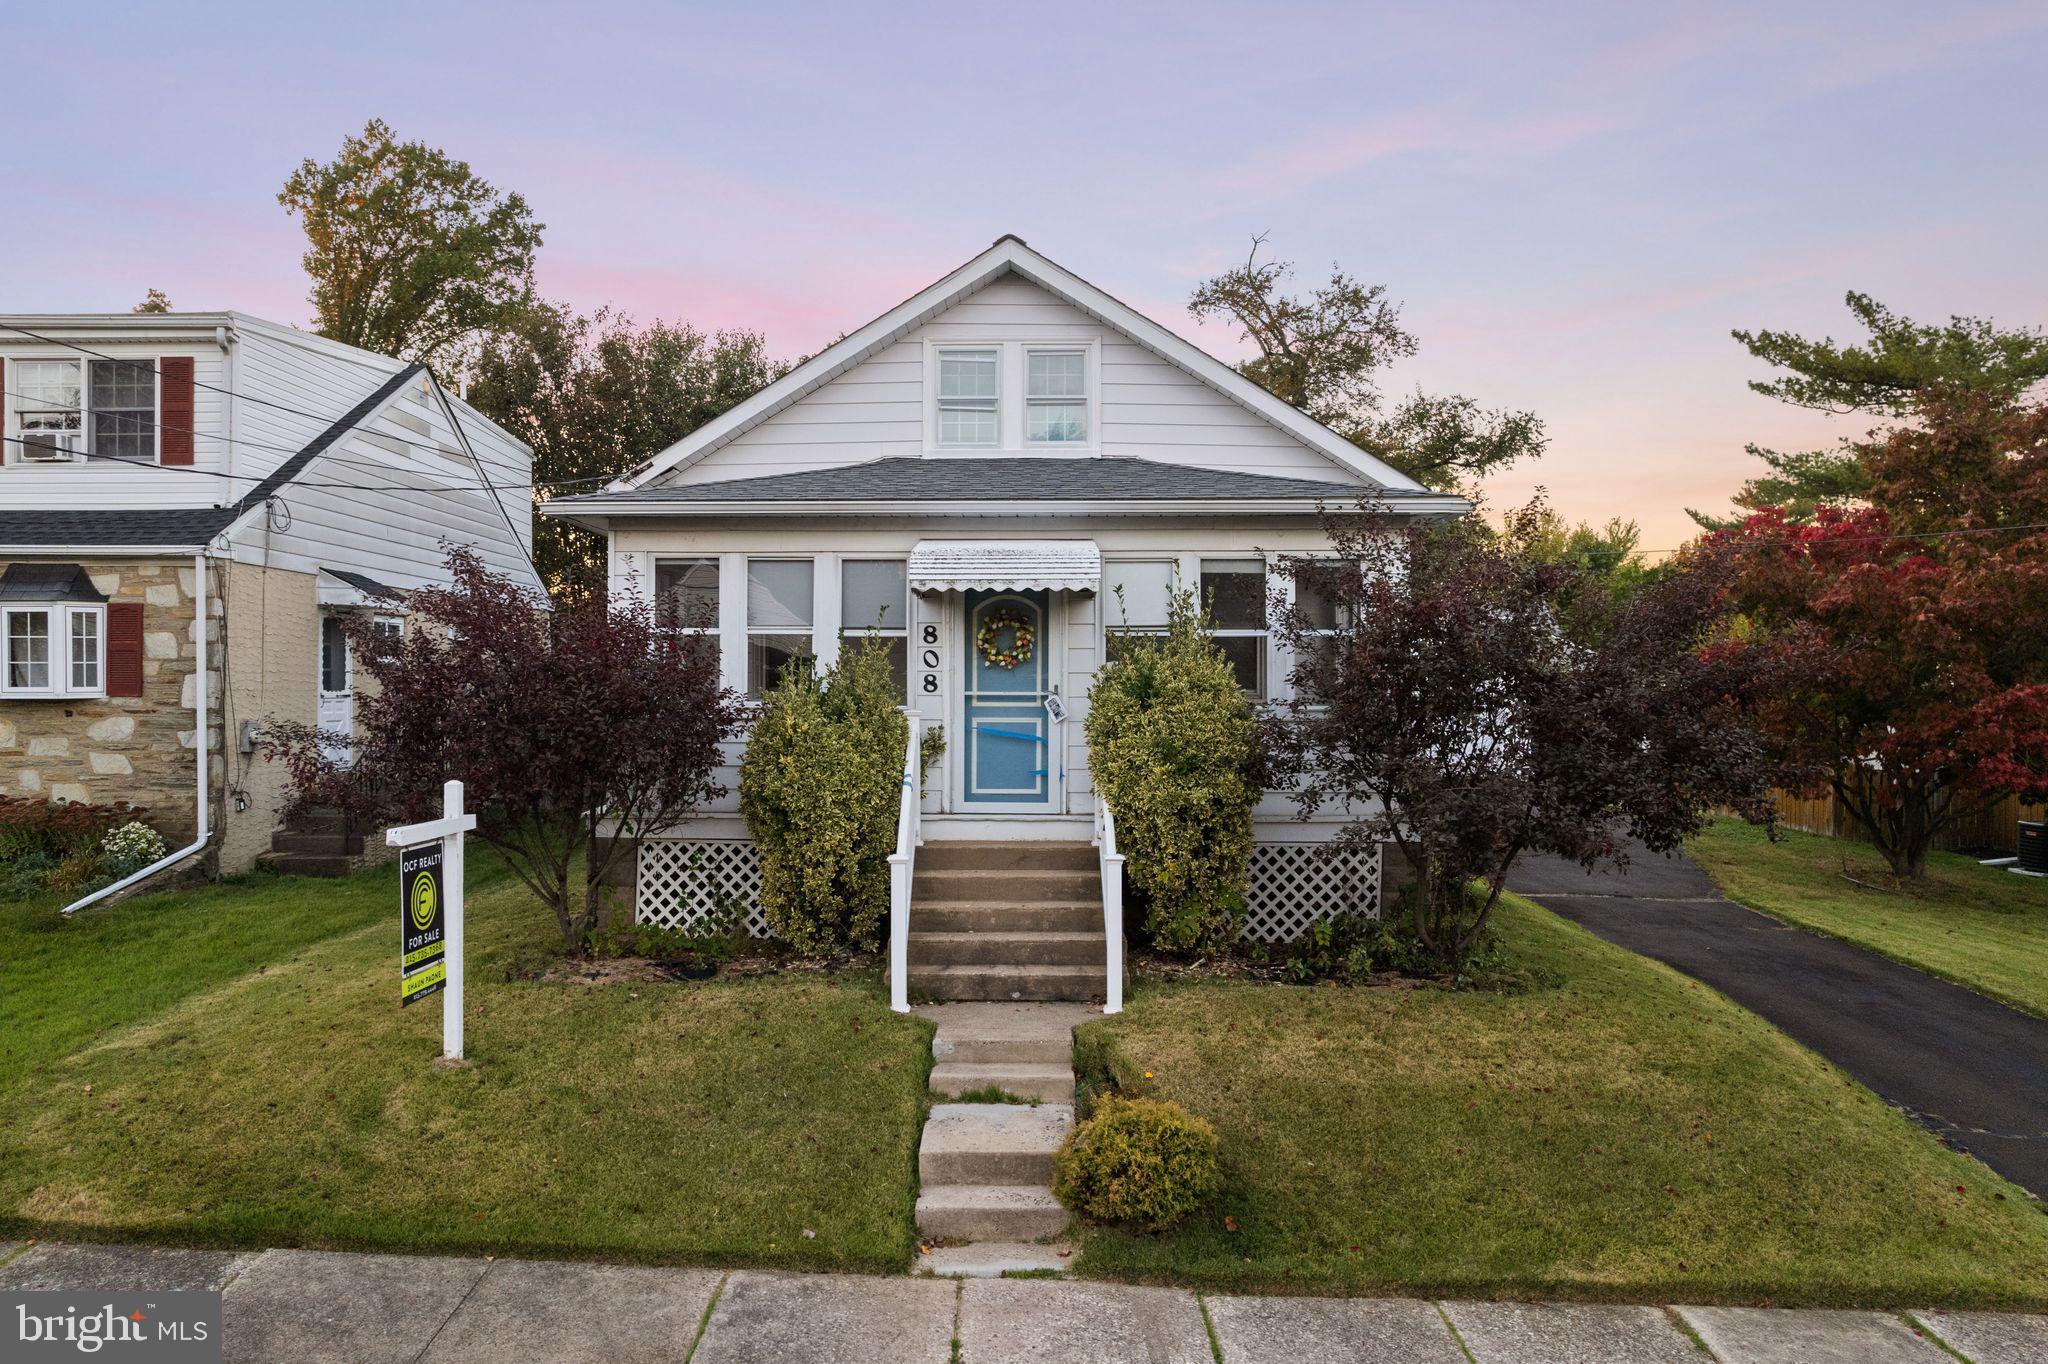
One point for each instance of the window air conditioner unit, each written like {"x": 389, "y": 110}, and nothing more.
{"x": 44, "y": 447}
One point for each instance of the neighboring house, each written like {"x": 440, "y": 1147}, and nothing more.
{"x": 154, "y": 462}
{"x": 1010, "y": 445}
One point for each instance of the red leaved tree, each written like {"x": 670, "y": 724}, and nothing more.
{"x": 1922, "y": 619}
{"x": 581, "y": 728}
{"x": 1460, "y": 696}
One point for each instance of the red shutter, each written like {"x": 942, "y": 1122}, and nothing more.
{"x": 124, "y": 648}
{"x": 174, "y": 433}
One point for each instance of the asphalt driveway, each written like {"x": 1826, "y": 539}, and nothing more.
{"x": 1973, "y": 1071}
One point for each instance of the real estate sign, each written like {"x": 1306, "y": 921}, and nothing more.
{"x": 423, "y": 958}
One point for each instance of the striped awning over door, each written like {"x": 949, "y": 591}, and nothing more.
{"x": 1005, "y": 565}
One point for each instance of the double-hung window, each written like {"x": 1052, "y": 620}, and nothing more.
{"x": 1234, "y": 590}
{"x": 123, "y": 406}
{"x": 779, "y": 613}
{"x": 686, "y": 601}
{"x": 969, "y": 385}
{"x": 1136, "y": 598}
{"x": 75, "y": 408}
{"x": 53, "y": 651}
{"x": 1056, "y": 397}
{"x": 1322, "y": 620}
{"x": 49, "y": 407}
{"x": 874, "y": 606}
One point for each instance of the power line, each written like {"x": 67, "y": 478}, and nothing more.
{"x": 197, "y": 382}
{"x": 338, "y": 487}
{"x": 199, "y": 435}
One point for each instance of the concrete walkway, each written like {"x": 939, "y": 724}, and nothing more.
{"x": 318, "y": 1307}
{"x": 1971, "y": 1070}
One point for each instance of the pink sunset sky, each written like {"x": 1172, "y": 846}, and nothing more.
{"x": 1574, "y": 203}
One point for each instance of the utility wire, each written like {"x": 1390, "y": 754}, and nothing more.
{"x": 259, "y": 478}
{"x": 325, "y": 421}
{"x": 241, "y": 441}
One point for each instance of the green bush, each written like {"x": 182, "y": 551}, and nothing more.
{"x": 1172, "y": 744}
{"x": 48, "y": 845}
{"x": 819, "y": 787}
{"x": 1144, "y": 1163}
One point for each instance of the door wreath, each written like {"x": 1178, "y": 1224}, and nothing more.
{"x": 988, "y": 640}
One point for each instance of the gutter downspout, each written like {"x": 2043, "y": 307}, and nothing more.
{"x": 200, "y": 746}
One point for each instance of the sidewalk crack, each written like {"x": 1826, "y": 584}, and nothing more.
{"x": 475, "y": 1283}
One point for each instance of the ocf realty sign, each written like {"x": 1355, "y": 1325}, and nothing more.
{"x": 168, "y": 1328}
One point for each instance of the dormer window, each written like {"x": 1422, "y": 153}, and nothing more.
{"x": 1056, "y": 397}
{"x": 73, "y": 409}
{"x": 968, "y": 386}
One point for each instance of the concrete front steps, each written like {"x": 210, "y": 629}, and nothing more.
{"x": 320, "y": 843}
{"x": 986, "y": 1168}
{"x": 1007, "y": 921}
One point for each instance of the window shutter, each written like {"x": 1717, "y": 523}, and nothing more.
{"x": 124, "y": 648}
{"x": 174, "y": 434}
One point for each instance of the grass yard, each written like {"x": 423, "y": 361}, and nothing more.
{"x": 231, "y": 1067}
{"x": 1981, "y": 927}
{"x": 1627, "y": 1134}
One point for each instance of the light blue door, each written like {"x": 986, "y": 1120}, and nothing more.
{"x": 1009, "y": 740}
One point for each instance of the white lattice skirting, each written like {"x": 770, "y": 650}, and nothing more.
{"x": 1297, "y": 884}
{"x": 681, "y": 882}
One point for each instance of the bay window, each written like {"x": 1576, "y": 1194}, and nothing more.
{"x": 874, "y": 612}
{"x": 53, "y": 651}
{"x": 779, "y": 613}
{"x": 1234, "y": 590}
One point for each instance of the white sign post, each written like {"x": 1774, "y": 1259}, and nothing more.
{"x": 418, "y": 903}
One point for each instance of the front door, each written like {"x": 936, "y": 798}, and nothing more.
{"x": 336, "y": 715}
{"x": 1009, "y": 749}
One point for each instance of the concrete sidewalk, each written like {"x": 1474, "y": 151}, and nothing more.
{"x": 319, "y": 1307}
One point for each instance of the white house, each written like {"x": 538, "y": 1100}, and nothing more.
{"x": 1011, "y": 446}
{"x": 156, "y": 462}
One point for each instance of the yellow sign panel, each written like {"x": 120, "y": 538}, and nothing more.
{"x": 423, "y": 982}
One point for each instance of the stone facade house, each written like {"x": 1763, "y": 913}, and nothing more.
{"x": 190, "y": 504}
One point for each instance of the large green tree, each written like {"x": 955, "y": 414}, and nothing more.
{"x": 411, "y": 253}
{"x": 1322, "y": 352}
{"x": 595, "y": 395}
{"x": 1894, "y": 376}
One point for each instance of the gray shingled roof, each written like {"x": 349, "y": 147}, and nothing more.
{"x": 183, "y": 527}
{"x": 996, "y": 478}
{"x": 179, "y": 527}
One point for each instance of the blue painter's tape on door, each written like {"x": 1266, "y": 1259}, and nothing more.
{"x": 1009, "y": 757}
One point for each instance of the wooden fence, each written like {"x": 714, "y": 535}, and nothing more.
{"x": 1989, "y": 830}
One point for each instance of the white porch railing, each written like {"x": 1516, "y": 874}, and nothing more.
{"x": 902, "y": 864}
{"x": 1112, "y": 863}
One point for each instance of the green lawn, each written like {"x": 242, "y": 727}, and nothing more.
{"x": 1627, "y": 1134}
{"x": 232, "y": 1067}
{"x": 1978, "y": 926}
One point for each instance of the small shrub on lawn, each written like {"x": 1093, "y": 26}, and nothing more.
{"x": 1172, "y": 744}
{"x": 819, "y": 787}
{"x": 48, "y": 845}
{"x": 1144, "y": 1163}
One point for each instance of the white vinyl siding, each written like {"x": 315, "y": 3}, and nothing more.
{"x": 1142, "y": 407}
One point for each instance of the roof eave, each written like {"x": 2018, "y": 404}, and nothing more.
{"x": 597, "y": 513}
